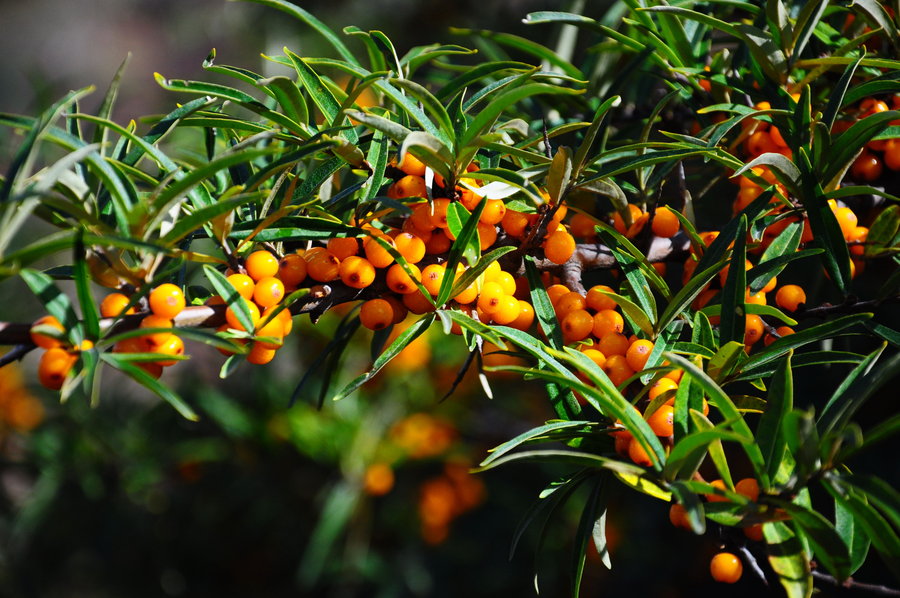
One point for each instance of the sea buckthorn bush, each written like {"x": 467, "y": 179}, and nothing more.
{"x": 670, "y": 225}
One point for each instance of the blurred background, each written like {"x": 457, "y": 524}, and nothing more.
{"x": 370, "y": 496}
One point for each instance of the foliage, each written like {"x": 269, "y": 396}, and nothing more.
{"x": 656, "y": 106}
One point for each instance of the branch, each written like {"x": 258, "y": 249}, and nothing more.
{"x": 851, "y": 584}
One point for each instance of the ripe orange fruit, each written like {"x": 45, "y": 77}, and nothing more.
{"x": 54, "y": 366}
{"x": 507, "y": 310}
{"x": 232, "y": 319}
{"x": 606, "y": 322}
{"x": 713, "y": 497}
{"x": 638, "y": 353}
{"x": 597, "y": 301}
{"x": 243, "y": 284}
{"x": 154, "y": 340}
{"x": 525, "y": 318}
{"x": 432, "y": 277}
{"x": 343, "y": 247}
{"x": 726, "y": 567}
{"x": 260, "y": 354}
{"x": 678, "y": 516}
{"x": 660, "y": 386}
{"x": 113, "y": 305}
{"x": 376, "y": 314}
{"x": 409, "y": 186}
{"x": 411, "y": 165}
{"x": 619, "y": 223}
{"x": 615, "y": 343}
{"x": 166, "y": 300}
{"x": 268, "y": 291}
{"x": 617, "y": 369}
{"x": 559, "y": 247}
{"x": 637, "y": 454}
{"x": 867, "y": 167}
{"x": 356, "y": 272}
{"x": 411, "y": 247}
{"x": 665, "y": 223}
{"x": 577, "y": 325}
{"x": 323, "y": 267}
{"x": 377, "y": 254}
{"x": 514, "y": 223}
{"x": 662, "y": 421}
{"x": 494, "y": 211}
{"x": 44, "y": 341}
{"x": 261, "y": 264}
{"x": 753, "y": 329}
{"x": 566, "y": 304}
{"x": 748, "y": 487}
{"x": 790, "y": 297}
{"x": 400, "y": 282}
{"x": 173, "y": 346}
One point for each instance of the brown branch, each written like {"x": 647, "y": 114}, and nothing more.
{"x": 852, "y": 584}
{"x": 15, "y": 354}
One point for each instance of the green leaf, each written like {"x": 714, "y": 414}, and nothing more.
{"x": 850, "y": 142}
{"x": 54, "y": 300}
{"x": 633, "y": 312}
{"x": 560, "y": 174}
{"x": 688, "y": 293}
{"x": 594, "y": 513}
{"x": 634, "y": 273}
{"x": 470, "y": 275}
{"x": 689, "y": 452}
{"x": 725, "y": 360}
{"x": 82, "y": 276}
{"x": 288, "y": 96}
{"x": 769, "y": 432}
{"x": 837, "y": 97}
{"x": 400, "y": 343}
{"x": 120, "y": 361}
{"x": 466, "y": 245}
{"x": 829, "y": 549}
{"x": 430, "y": 150}
{"x": 543, "y": 308}
{"x": 733, "y": 315}
{"x": 581, "y": 154}
{"x": 787, "y": 559}
{"x": 535, "y": 434}
{"x": 849, "y": 396}
{"x": 232, "y": 298}
{"x": 856, "y": 541}
{"x": 883, "y": 230}
{"x": 432, "y": 105}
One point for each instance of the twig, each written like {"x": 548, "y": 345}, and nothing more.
{"x": 852, "y": 584}
{"x": 750, "y": 559}
{"x": 14, "y": 354}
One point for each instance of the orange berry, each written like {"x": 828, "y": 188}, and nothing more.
{"x": 525, "y": 318}
{"x": 566, "y": 304}
{"x": 665, "y": 223}
{"x": 847, "y": 220}
{"x": 487, "y": 235}
{"x": 790, "y": 297}
{"x": 438, "y": 243}
{"x": 469, "y": 199}
{"x": 54, "y": 367}
{"x": 411, "y": 165}
{"x": 173, "y": 346}
{"x": 614, "y": 343}
{"x": 44, "y": 341}
{"x": 556, "y": 291}
{"x": 343, "y": 247}
{"x": 377, "y": 254}
{"x": 577, "y": 325}
{"x": 755, "y": 298}
{"x": 378, "y": 478}
{"x": 274, "y": 329}
{"x": 400, "y": 282}
{"x": 857, "y": 237}
{"x": 619, "y": 223}
{"x": 754, "y": 532}
{"x": 151, "y": 367}
{"x": 713, "y": 497}
{"x": 606, "y": 322}
{"x": 726, "y": 567}
{"x": 243, "y": 284}
{"x": 507, "y": 281}
{"x": 597, "y": 301}
{"x": 892, "y": 154}
{"x": 582, "y": 225}
{"x": 662, "y": 421}
{"x": 417, "y": 303}
{"x": 411, "y": 247}
{"x": 596, "y": 356}
{"x": 782, "y": 331}
{"x": 400, "y": 310}
{"x": 637, "y": 454}
{"x": 439, "y": 212}
{"x": 867, "y": 167}
{"x": 489, "y": 298}
{"x": 269, "y": 291}
{"x": 494, "y": 211}
{"x": 421, "y": 217}
{"x": 617, "y": 369}
{"x": 514, "y": 223}
{"x": 753, "y": 329}
{"x": 154, "y": 340}
{"x": 260, "y": 354}
{"x": 232, "y": 319}
{"x": 376, "y": 314}
{"x": 748, "y": 487}
{"x": 357, "y": 272}
{"x": 660, "y": 386}
{"x": 678, "y": 516}
{"x": 324, "y": 267}
{"x": 113, "y": 306}
{"x": 638, "y": 353}
{"x": 409, "y": 186}
{"x": 559, "y": 247}
{"x": 432, "y": 277}
{"x": 507, "y": 310}
{"x": 261, "y": 264}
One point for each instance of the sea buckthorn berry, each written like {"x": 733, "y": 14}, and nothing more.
{"x": 507, "y": 310}
{"x": 489, "y": 298}
{"x": 755, "y": 298}
{"x": 487, "y": 235}
{"x": 770, "y": 286}
{"x": 469, "y": 199}
{"x": 44, "y": 341}
{"x": 559, "y": 247}
{"x": 377, "y": 254}
{"x": 268, "y": 292}
{"x": 54, "y": 367}
{"x": 857, "y": 238}
{"x": 324, "y": 267}
{"x": 494, "y": 211}
{"x": 273, "y": 329}
{"x": 507, "y": 281}
{"x": 376, "y": 314}
{"x": 790, "y": 297}
{"x": 432, "y": 277}
{"x": 525, "y": 318}
{"x": 662, "y": 421}
{"x": 417, "y": 303}
{"x": 781, "y": 331}
{"x": 411, "y": 247}
{"x": 152, "y": 368}
{"x": 714, "y": 497}
{"x": 113, "y": 306}
{"x": 243, "y": 284}
{"x": 577, "y": 325}
{"x": 173, "y": 346}
{"x": 608, "y": 321}
{"x": 638, "y": 220}
{"x": 292, "y": 270}
{"x": 638, "y": 354}
{"x": 412, "y": 165}
{"x": 660, "y": 386}
{"x": 409, "y": 186}
{"x": 235, "y": 323}
{"x": 400, "y": 310}
{"x": 726, "y": 567}
{"x": 596, "y": 356}
{"x": 638, "y": 455}
{"x": 847, "y": 220}
{"x": 556, "y": 291}
{"x": 343, "y": 247}
{"x": 357, "y": 272}
{"x": 514, "y": 223}
{"x": 622, "y": 441}
{"x": 467, "y": 295}
{"x": 678, "y": 516}
{"x": 753, "y": 329}
{"x": 438, "y": 243}
{"x": 754, "y": 532}
{"x": 614, "y": 343}
{"x": 261, "y": 264}
{"x": 583, "y": 226}
{"x": 571, "y": 301}
{"x": 597, "y": 301}
{"x": 154, "y": 340}
{"x": 132, "y": 344}
{"x": 665, "y": 223}
{"x": 617, "y": 369}
{"x": 260, "y": 354}
{"x": 439, "y": 212}
{"x": 867, "y": 167}
{"x": 748, "y": 487}
{"x": 760, "y": 142}
{"x": 378, "y": 478}
{"x": 892, "y": 154}
{"x": 421, "y": 217}
{"x": 400, "y": 282}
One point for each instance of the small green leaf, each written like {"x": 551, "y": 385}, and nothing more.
{"x": 788, "y": 560}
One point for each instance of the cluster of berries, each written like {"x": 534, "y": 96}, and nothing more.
{"x": 869, "y": 165}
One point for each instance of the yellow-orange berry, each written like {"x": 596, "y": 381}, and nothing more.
{"x": 417, "y": 303}
{"x": 44, "y": 341}
{"x": 489, "y": 299}
{"x": 114, "y": 304}
{"x": 525, "y": 318}
{"x": 614, "y": 343}
{"x": 243, "y": 284}
{"x": 173, "y": 346}
{"x": 268, "y": 291}
{"x": 233, "y": 321}
{"x": 617, "y": 369}
{"x": 577, "y": 325}
{"x": 559, "y": 247}
{"x": 726, "y": 567}
{"x": 597, "y": 301}
{"x": 376, "y": 314}
{"x": 343, "y": 247}
{"x": 411, "y": 165}
{"x": 660, "y": 386}
{"x": 556, "y": 291}
{"x": 166, "y": 300}
{"x": 154, "y": 340}
{"x": 507, "y": 310}
{"x": 662, "y": 421}
{"x": 665, "y": 223}
{"x": 678, "y": 516}
{"x": 607, "y": 321}
{"x": 54, "y": 367}
{"x": 377, "y": 254}
{"x": 411, "y": 247}
{"x": 357, "y": 272}
{"x": 753, "y": 329}
{"x": 400, "y": 282}
{"x": 323, "y": 267}
{"x": 566, "y": 304}
{"x": 493, "y": 212}
{"x": 790, "y": 297}
{"x": 638, "y": 354}
{"x": 261, "y": 264}
{"x": 637, "y": 454}
{"x": 378, "y": 478}
{"x": 748, "y": 487}
{"x": 714, "y": 497}
{"x": 582, "y": 226}
{"x": 409, "y": 186}
{"x": 432, "y": 277}
{"x": 260, "y": 354}
{"x": 514, "y": 223}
